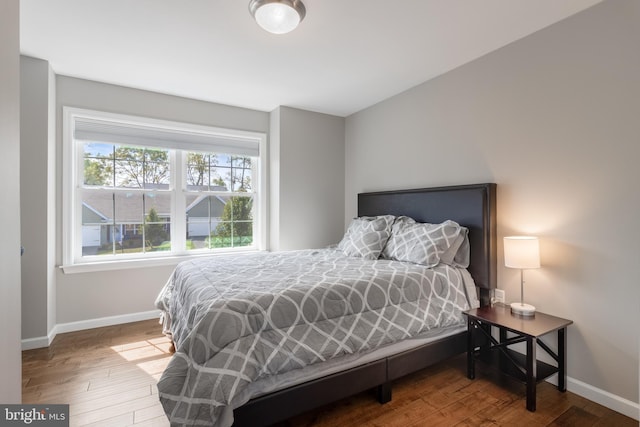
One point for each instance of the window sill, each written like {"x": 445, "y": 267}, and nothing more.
{"x": 169, "y": 261}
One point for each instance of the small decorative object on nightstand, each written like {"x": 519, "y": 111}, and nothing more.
{"x": 522, "y": 252}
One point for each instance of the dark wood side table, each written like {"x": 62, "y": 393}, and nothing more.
{"x": 527, "y": 329}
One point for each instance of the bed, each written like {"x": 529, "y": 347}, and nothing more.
{"x": 223, "y": 375}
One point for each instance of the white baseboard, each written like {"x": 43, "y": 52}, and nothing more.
{"x": 61, "y": 328}
{"x": 38, "y": 342}
{"x": 601, "y": 397}
{"x": 604, "y": 398}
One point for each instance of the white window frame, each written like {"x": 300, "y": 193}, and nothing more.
{"x": 72, "y": 162}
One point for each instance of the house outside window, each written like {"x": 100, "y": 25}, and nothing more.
{"x": 139, "y": 189}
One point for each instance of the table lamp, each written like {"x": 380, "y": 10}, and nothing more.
{"x": 522, "y": 252}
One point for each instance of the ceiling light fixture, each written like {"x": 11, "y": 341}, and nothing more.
{"x": 277, "y": 16}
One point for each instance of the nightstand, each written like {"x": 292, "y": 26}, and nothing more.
{"x": 529, "y": 329}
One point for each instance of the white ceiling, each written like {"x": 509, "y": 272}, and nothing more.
{"x": 345, "y": 56}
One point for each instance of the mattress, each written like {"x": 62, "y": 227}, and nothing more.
{"x": 248, "y": 325}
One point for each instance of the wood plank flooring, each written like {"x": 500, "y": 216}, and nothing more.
{"x": 108, "y": 377}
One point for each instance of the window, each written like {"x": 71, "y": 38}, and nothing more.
{"x": 142, "y": 189}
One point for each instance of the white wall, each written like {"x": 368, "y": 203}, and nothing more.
{"x": 553, "y": 120}
{"x": 10, "y": 358}
{"x": 307, "y": 192}
{"x": 37, "y": 142}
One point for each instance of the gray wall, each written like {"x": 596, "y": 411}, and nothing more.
{"x": 37, "y": 168}
{"x": 86, "y": 296}
{"x": 312, "y": 145}
{"x": 553, "y": 120}
{"x": 307, "y": 192}
{"x": 10, "y": 358}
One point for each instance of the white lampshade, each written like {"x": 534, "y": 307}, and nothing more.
{"x": 277, "y": 16}
{"x": 521, "y": 252}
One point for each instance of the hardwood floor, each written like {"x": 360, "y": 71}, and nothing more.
{"x": 108, "y": 377}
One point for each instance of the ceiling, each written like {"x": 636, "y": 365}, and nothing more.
{"x": 345, "y": 56}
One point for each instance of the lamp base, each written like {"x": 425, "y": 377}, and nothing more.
{"x": 522, "y": 309}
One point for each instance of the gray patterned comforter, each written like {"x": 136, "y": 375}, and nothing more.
{"x": 236, "y": 319}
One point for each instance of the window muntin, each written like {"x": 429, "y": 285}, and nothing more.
{"x": 130, "y": 200}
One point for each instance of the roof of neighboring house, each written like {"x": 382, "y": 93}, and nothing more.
{"x": 129, "y": 206}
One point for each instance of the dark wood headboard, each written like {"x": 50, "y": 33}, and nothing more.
{"x": 472, "y": 206}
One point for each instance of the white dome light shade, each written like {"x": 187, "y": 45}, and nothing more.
{"x": 277, "y": 16}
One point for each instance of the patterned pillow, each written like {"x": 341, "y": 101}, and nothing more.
{"x": 366, "y": 236}
{"x": 458, "y": 254}
{"x": 426, "y": 244}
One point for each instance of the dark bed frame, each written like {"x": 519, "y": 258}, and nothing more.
{"x": 473, "y": 206}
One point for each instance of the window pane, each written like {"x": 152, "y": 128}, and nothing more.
{"x": 98, "y": 234}
{"x": 203, "y": 215}
{"x": 97, "y": 172}
{"x": 219, "y": 222}
{"x": 99, "y": 150}
{"x": 242, "y": 178}
{"x": 235, "y": 227}
{"x": 128, "y": 218}
{"x": 137, "y": 167}
{"x": 220, "y": 178}
{"x": 128, "y": 174}
{"x": 98, "y": 168}
{"x": 157, "y": 228}
{"x": 156, "y": 169}
{"x": 221, "y": 173}
{"x": 197, "y": 171}
{"x": 197, "y": 217}
{"x": 223, "y": 160}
